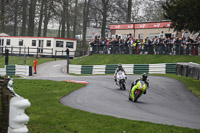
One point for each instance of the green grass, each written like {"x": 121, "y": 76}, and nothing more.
{"x": 47, "y": 115}
{"x": 133, "y": 59}
{"x": 20, "y": 60}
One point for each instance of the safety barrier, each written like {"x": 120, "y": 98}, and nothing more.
{"x": 2, "y": 71}
{"x": 13, "y": 117}
{"x": 161, "y": 68}
{"x": 16, "y": 70}
{"x": 191, "y": 70}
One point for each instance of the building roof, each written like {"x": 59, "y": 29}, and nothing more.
{"x": 39, "y": 37}
{"x": 3, "y": 34}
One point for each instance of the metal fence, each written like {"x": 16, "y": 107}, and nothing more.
{"x": 20, "y": 51}
{"x": 160, "y": 49}
{"x": 47, "y": 52}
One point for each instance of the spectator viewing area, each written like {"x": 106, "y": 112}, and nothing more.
{"x": 146, "y": 38}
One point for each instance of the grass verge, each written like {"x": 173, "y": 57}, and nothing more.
{"x": 133, "y": 59}
{"x": 47, "y": 115}
{"x": 20, "y": 60}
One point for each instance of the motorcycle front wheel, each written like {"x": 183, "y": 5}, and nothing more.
{"x": 137, "y": 95}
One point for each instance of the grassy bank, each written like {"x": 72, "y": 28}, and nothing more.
{"x": 134, "y": 59}
{"x": 20, "y": 60}
{"x": 49, "y": 116}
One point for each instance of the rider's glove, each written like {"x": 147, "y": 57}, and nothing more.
{"x": 125, "y": 77}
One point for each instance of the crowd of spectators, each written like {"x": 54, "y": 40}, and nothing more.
{"x": 131, "y": 45}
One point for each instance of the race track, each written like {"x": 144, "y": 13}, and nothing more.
{"x": 167, "y": 101}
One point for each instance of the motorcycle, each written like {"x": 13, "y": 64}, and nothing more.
{"x": 141, "y": 88}
{"x": 121, "y": 80}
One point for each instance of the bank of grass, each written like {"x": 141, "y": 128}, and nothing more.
{"x": 19, "y": 60}
{"x": 134, "y": 59}
{"x": 49, "y": 116}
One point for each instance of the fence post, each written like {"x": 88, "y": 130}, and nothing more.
{"x": 5, "y": 98}
{"x": 11, "y": 50}
{"x": 28, "y": 51}
{"x": 6, "y": 56}
{"x": 52, "y": 52}
{"x": 24, "y": 55}
{"x": 2, "y": 50}
{"x": 37, "y": 51}
{"x": 20, "y": 48}
{"x": 55, "y": 54}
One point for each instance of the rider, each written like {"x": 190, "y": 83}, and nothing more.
{"x": 144, "y": 78}
{"x": 119, "y": 68}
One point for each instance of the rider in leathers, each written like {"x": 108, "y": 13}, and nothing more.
{"x": 119, "y": 68}
{"x": 144, "y": 78}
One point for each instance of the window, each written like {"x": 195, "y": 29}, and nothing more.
{"x": 70, "y": 44}
{"x": 33, "y": 42}
{"x": 1, "y": 42}
{"x": 8, "y": 42}
{"x": 48, "y": 43}
{"x": 140, "y": 36}
{"x": 153, "y": 35}
{"x": 21, "y": 42}
{"x": 59, "y": 44}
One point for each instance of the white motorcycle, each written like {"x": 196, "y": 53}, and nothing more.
{"x": 121, "y": 80}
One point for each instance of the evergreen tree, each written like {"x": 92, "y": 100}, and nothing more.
{"x": 184, "y": 14}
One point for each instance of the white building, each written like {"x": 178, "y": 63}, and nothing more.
{"x": 52, "y": 46}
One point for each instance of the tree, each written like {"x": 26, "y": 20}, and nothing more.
{"x": 24, "y": 17}
{"x": 47, "y": 15}
{"x": 2, "y": 14}
{"x": 85, "y": 19}
{"x": 75, "y": 18}
{"x": 15, "y": 18}
{"x": 184, "y": 14}
{"x": 104, "y": 14}
{"x": 63, "y": 21}
{"x": 128, "y": 19}
{"x": 68, "y": 17}
{"x": 41, "y": 16}
{"x": 31, "y": 23}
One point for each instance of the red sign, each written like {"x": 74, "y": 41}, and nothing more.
{"x": 152, "y": 25}
{"x": 121, "y": 26}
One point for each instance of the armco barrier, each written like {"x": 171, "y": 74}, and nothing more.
{"x": 157, "y": 68}
{"x": 10, "y": 70}
{"x": 110, "y": 69}
{"x": 161, "y": 68}
{"x": 188, "y": 70}
{"x": 171, "y": 68}
{"x": 76, "y": 69}
{"x": 141, "y": 68}
{"x": 99, "y": 69}
{"x": 18, "y": 70}
{"x": 87, "y": 69}
{"x": 22, "y": 70}
{"x": 129, "y": 68}
{"x": 2, "y": 71}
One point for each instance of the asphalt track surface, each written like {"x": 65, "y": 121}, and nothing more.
{"x": 167, "y": 101}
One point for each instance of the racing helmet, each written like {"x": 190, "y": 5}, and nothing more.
{"x": 144, "y": 76}
{"x": 119, "y": 66}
